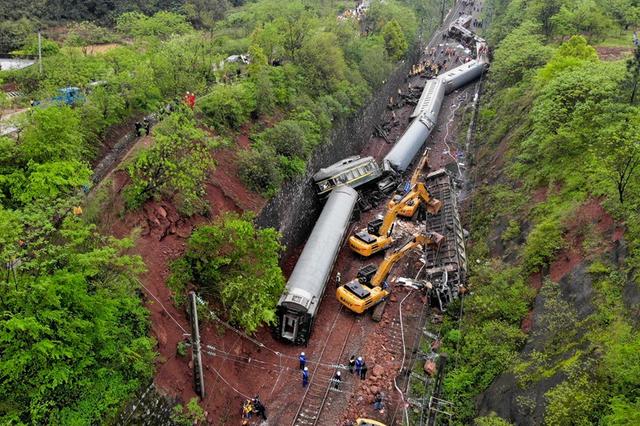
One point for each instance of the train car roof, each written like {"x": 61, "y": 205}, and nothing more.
{"x": 338, "y": 167}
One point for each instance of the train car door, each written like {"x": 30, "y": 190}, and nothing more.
{"x": 289, "y": 327}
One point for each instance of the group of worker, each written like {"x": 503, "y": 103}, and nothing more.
{"x": 251, "y": 407}
{"x": 359, "y": 366}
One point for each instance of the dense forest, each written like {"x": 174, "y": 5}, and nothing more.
{"x": 557, "y": 140}
{"x": 74, "y": 336}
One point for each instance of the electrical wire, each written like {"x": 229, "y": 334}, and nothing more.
{"x": 165, "y": 309}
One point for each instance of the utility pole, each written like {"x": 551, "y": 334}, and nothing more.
{"x": 40, "y": 51}
{"x": 196, "y": 356}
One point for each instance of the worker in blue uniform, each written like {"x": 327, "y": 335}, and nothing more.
{"x": 359, "y": 363}
{"x": 303, "y": 360}
{"x": 305, "y": 377}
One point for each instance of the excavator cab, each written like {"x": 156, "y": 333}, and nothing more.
{"x": 366, "y": 273}
{"x": 374, "y": 226}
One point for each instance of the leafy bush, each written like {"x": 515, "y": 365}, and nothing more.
{"x": 229, "y": 106}
{"x": 86, "y": 33}
{"x": 259, "y": 169}
{"x": 190, "y": 415}
{"x": 499, "y": 294}
{"x": 30, "y": 47}
{"x": 176, "y": 164}
{"x": 543, "y": 241}
{"x": 394, "y": 41}
{"x": 287, "y": 138}
{"x": 574, "y": 401}
{"x": 162, "y": 25}
{"x": 512, "y": 231}
{"x": 238, "y": 265}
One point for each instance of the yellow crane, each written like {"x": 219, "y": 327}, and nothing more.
{"x": 367, "y": 289}
{"x": 412, "y": 207}
{"x": 377, "y": 236}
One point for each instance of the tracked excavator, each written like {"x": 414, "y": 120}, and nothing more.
{"x": 377, "y": 236}
{"x": 412, "y": 206}
{"x": 369, "y": 288}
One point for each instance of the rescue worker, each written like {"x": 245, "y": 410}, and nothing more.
{"x": 138, "y": 128}
{"x": 305, "y": 377}
{"x": 247, "y": 409}
{"x": 303, "y": 360}
{"x": 258, "y": 408}
{"x": 377, "y": 402}
{"x": 147, "y": 126}
{"x": 363, "y": 371}
{"x": 338, "y": 279}
{"x": 358, "y": 365}
{"x": 337, "y": 379}
{"x": 352, "y": 363}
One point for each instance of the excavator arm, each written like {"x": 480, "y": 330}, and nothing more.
{"x": 419, "y": 169}
{"x": 418, "y": 191}
{"x": 432, "y": 239}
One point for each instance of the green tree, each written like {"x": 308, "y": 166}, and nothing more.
{"x": 574, "y": 402}
{"x": 521, "y": 52}
{"x": 73, "y": 335}
{"x": 229, "y": 106}
{"x": 238, "y": 264}
{"x": 259, "y": 169}
{"x": 269, "y": 38}
{"x": 583, "y": 17}
{"x": 175, "y": 165}
{"x": 624, "y": 413}
{"x": 633, "y": 73}
{"x": 287, "y": 138}
{"x": 162, "y": 25}
{"x": 394, "y": 41}
{"x": 322, "y": 62}
{"x": 53, "y": 133}
{"x": 204, "y": 13}
{"x": 30, "y": 47}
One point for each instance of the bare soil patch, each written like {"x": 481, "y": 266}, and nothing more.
{"x": 613, "y": 53}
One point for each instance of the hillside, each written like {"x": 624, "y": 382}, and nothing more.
{"x": 549, "y": 334}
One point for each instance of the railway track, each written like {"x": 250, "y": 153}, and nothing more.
{"x": 317, "y": 393}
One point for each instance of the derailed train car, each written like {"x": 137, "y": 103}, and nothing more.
{"x": 352, "y": 171}
{"x": 299, "y": 303}
{"x": 298, "y": 306}
{"x": 426, "y": 113}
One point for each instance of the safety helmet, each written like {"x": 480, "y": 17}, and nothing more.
{"x": 338, "y": 373}
{"x": 359, "y": 358}
{"x": 302, "y": 353}
{"x": 306, "y": 369}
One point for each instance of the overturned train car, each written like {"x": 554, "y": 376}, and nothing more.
{"x": 298, "y": 305}
{"x": 426, "y": 113}
{"x": 352, "y": 171}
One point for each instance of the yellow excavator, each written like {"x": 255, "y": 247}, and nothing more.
{"x": 412, "y": 206}
{"x": 369, "y": 288}
{"x": 377, "y": 236}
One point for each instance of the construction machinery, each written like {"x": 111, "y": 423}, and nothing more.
{"x": 370, "y": 288}
{"x": 368, "y": 422}
{"x": 377, "y": 235}
{"x": 412, "y": 206}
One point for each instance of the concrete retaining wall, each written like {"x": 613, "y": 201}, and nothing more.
{"x": 295, "y": 208}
